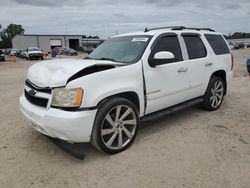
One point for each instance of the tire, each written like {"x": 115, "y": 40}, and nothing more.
{"x": 214, "y": 95}
{"x": 111, "y": 133}
{"x": 248, "y": 69}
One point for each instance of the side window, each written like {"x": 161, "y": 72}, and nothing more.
{"x": 217, "y": 43}
{"x": 170, "y": 44}
{"x": 195, "y": 47}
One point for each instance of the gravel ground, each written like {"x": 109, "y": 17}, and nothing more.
{"x": 191, "y": 148}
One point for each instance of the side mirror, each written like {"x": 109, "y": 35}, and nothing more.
{"x": 161, "y": 58}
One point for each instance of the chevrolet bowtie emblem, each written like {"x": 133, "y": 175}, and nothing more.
{"x": 32, "y": 92}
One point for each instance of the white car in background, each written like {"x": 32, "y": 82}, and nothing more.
{"x": 127, "y": 79}
{"x": 13, "y": 52}
{"x": 33, "y": 53}
{"x": 231, "y": 45}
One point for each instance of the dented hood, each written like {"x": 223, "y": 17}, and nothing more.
{"x": 55, "y": 73}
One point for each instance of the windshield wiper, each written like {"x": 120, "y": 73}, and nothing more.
{"x": 87, "y": 57}
{"x": 108, "y": 59}
{"x": 104, "y": 58}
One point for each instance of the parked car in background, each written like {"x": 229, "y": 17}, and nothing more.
{"x": 3, "y": 51}
{"x": 33, "y": 53}
{"x": 22, "y": 54}
{"x": 69, "y": 51}
{"x": 7, "y": 50}
{"x": 88, "y": 49}
{"x": 13, "y": 52}
{"x": 18, "y": 53}
{"x": 239, "y": 46}
{"x": 2, "y": 58}
{"x": 248, "y": 64}
{"x": 231, "y": 45}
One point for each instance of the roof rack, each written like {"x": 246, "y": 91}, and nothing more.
{"x": 168, "y": 27}
{"x": 179, "y": 28}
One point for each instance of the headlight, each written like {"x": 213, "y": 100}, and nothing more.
{"x": 68, "y": 98}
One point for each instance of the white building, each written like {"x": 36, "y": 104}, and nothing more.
{"x": 46, "y": 42}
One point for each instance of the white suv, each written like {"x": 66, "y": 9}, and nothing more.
{"x": 128, "y": 79}
{"x": 33, "y": 53}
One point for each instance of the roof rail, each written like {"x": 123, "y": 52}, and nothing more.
{"x": 168, "y": 27}
{"x": 194, "y": 28}
{"x": 179, "y": 28}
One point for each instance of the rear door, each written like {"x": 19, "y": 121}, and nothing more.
{"x": 166, "y": 84}
{"x": 199, "y": 63}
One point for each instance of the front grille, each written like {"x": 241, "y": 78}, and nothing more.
{"x": 37, "y": 88}
{"x": 35, "y": 55}
{"x": 36, "y": 99}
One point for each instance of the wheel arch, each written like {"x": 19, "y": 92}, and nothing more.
{"x": 222, "y": 75}
{"x": 129, "y": 95}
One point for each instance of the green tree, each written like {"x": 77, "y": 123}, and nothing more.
{"x": 9, "y": 33}
{"x": 14, "y": 29}
{"x": 238, "y": 35}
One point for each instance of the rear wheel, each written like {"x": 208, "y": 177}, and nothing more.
{"x": 214, "y": 94}
{"x": 248, "y": 69}
{"x": 115, "y": 126}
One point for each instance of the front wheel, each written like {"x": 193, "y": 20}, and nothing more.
{"x": 115, "y": 126}
{"x": 214, "y": 94}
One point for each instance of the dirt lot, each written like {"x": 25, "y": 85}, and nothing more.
{"x": 192, "y": 148}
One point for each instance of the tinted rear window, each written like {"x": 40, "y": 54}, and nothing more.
{"x": 217, "y": 43}
{"x": 195, "y": 47}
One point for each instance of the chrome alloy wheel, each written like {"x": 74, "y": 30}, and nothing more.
{"x": 118, "y": 127}
{"x": 217, "y": 93}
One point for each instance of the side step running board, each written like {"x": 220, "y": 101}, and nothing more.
{"x": 164, "y": 112}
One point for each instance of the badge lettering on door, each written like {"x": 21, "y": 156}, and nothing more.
{"x": 154, "y": 92}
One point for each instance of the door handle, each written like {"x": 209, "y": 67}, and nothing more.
{"x": 182, "y": 69}
{"x": 208, "y": 64}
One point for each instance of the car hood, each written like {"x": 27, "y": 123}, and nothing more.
{"x": 35, "y": 52}
{"x": 55, "y": 73}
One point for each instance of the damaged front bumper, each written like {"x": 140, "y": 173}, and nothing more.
{"x": 71, "y": 126}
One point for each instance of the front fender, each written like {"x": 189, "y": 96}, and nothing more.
{"x": 100, "y": 85}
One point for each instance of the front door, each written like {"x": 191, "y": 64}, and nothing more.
{"x": 166, "y": 84}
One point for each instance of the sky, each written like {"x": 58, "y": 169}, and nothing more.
{"x": 106, "y": 18}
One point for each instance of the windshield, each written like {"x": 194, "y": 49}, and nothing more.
{"x": 124, "y": 49}
{"x": 34, "y": 49}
